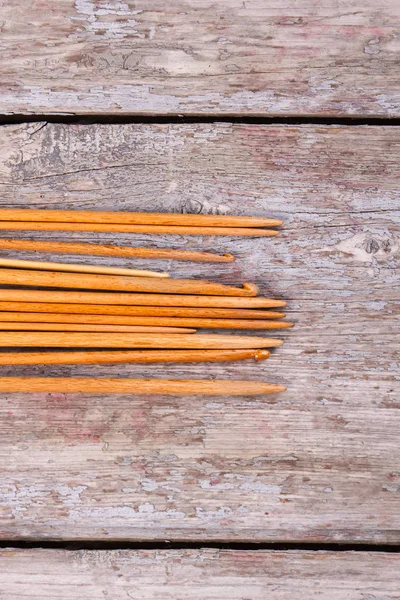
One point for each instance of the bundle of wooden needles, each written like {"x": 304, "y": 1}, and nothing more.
{"x": 111, "y": 315}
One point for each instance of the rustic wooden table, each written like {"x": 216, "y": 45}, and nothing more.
{"x": 253, "y": 495}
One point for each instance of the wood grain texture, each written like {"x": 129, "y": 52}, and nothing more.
{"x": 35, "y": 326}
{"x": 45, "y": 339}
{"x": 134, "y": 356}
{"x": 198, "y": 575}
{"x": 103, "y": 301}
{"x": 309, "y": 57}
{"x": 317, "y": 463}
{"x": 158, "y": 322}
{"x": 115, "y": 251}
{"x": 147, "y": 229}
{"x": 136, "y": 218}
{"x": 83, "y": 313}
{"x": 51, "y": 266}
{"x": 146, "y": 387}
{"x": 120, "y": 283}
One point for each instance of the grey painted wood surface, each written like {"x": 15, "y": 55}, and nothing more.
{"x": 308, "y": 57}
{"x": 198, "y": 575}
{"x": 317, "y": 463}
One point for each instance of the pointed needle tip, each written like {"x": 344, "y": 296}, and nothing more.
{"x": 281, "y": 388}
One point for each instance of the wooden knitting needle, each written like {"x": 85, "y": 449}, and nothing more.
{"x": 116, "y": 282}
{"x": 162, "y": 300}
{"x": 35, "y": 326}
{"x": 134, "y": 340}
{"x": 176, "y": 387}
{"x": 114, "y": 251}
{"x": 133, "y": 356}
{"x": 134, "y": 218}
{"x": 118, "y": 315}
{"x": 121, "y": 228}
{"x": 144, "y": 324}
{"x": 212, "y": 323}
{"x": 54, "y": 266}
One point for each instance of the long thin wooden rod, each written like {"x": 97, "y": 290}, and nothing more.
{"x": 114, "y": 251}
{"x": 143, "y": 324}
{"x": 81, "y": 327}
{"x": 162, "y": 300}
{"x": 118, "y": 315}
{"x": 212, "y": 323}
{"x": 133, "y": 356}
{"x": 71, "y": 268}
{"x": 128, "y": 284}
{"x": 176, "y": 387}
{"x": 134, "y": 218}
{"x": 121, "y": 228}
{"x": 134, "y": 340}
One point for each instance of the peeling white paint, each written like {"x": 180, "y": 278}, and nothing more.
{"x": 71, "y": 495}
{"x": 206, "y": 484}
{"x": 158, "y": 98}
{"x": 240, "y": 482}
{"x": 260, "y": 488}
{"x": 221, "y": 512}
{"x": 106, "y": 28}
{"x": 150, "y": 485}
{"x": 120, "y": 514}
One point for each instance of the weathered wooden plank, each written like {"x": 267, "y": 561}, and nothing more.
{"x": 307, "y": 57}
{"x": 319, "y": 462}
{"x": 198, "y": 575}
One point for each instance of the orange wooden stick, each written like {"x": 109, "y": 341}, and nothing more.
{"x": 58, "y": 322}
{"x": 134, "y": 340}
{"x": 176, "y": 387}
{"x": 114, "y": 251}
{"x": 157, "y": 229}
{"x": 134, "y": 218}
{"x": 114, "y": 282}
{"x": 133, "y": 356}
{"x": 212, "y": 323}
{"x": 105, "y": 313}
{"x": 71, "y": 268}
{"x": 163, "y": 300}
{"x": 35, "y": 326}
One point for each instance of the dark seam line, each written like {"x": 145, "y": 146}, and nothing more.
{"x": 171, "y": 119}
{"x": 74, "y": 545}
